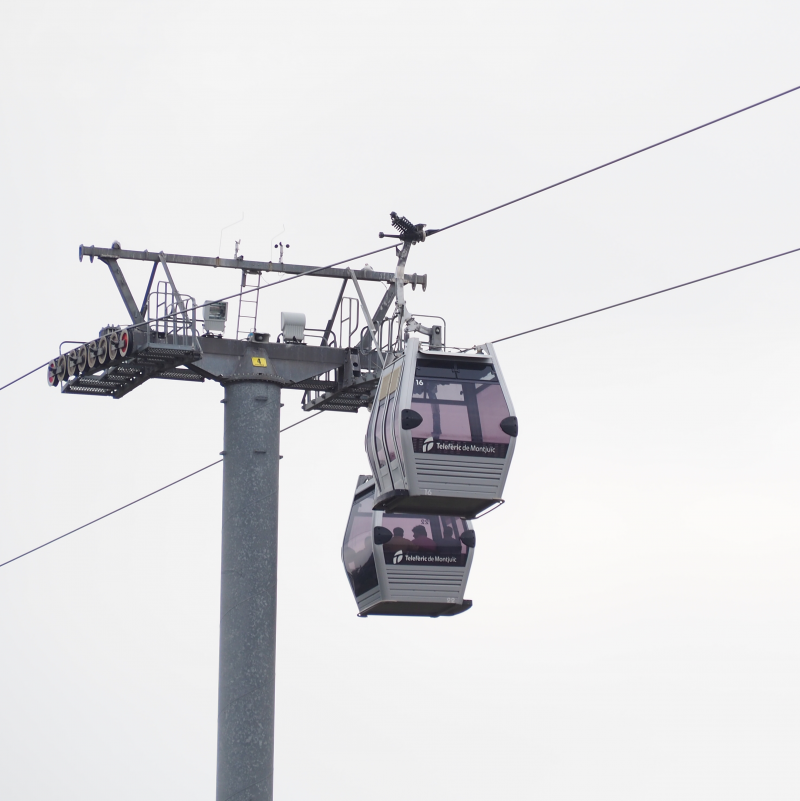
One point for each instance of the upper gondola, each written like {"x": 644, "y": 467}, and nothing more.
{"x": 442, "y": 432}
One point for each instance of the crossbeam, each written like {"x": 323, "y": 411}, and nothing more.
{"x": 240, "y": 264}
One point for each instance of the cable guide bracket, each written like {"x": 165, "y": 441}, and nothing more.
{"x": 409, "y": 234}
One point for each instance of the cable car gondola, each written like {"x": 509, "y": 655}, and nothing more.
{"x": 441, "y": 434}
{"x": 406, "y": 564}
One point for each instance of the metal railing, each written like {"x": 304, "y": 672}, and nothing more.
{"x": 348, "y": 321}
{"x": 171, "y": 319}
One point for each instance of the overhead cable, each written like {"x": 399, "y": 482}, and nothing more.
{"x": 30, "y": 372}
{"x": 472, "y": 217}
{"x": 494, "y": 342}
{"x": 614, "y": 161}
{"x": 523, "y": 197}
{"x": 149, "y": 495}
{"x": 510, "y": 202}
{"x": 642, "y": 297}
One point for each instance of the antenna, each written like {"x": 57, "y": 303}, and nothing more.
{"x": 281, "y": 246}
{"x": 225, "y": 228}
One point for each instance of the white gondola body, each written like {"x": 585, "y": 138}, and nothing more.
{"x": 456, "y": 460}
{"x": 422, "y": 571}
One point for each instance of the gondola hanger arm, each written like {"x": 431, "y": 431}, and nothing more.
{"x": 415, "y": 327}
{"x": 399, "y": 280}
{"x": 409, "y": 234}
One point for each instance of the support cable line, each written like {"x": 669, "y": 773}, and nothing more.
{"x": 642, "y": 297}
{"x": 511, "y": 336}
{"x": 510, "y": 202}
{"x": 523, "y": 197}
{"x": 30, "y": 372}
{"x": 459, "y": 222}
{"x": 613, "y": 161}
{"x": 440, "y": 441}
{"x": 494, "y": 342}
{"x": 144, "y": 497}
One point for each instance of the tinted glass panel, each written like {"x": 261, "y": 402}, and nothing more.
{"x": 492, "y": 409}
{"x": 458, "y": 412}
{"x": 369, "y": 440}
{"x": 398, "y": 437}
{"x": 387, "y": 427}
{"x": 379, "y": 434}
{"x": 440, "y": 419}
{"x": 454, "y": 368}
{"x": 357, "y": 555}
{"x": 425, "y": 541}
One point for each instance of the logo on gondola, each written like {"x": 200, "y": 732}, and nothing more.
{"x": 398, "y": 557}
{"x": 455, "y": 447}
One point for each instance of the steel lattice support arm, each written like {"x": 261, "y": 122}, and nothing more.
{"x": 251, "y": 266}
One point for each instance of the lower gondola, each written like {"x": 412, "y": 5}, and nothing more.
{"x": 406, "y": 564}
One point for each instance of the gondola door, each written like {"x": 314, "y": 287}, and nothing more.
{"x": 382, "y": 433}
{"x": 391, "y": 427}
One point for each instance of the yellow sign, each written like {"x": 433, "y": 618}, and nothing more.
{"x": 259, "y": 361}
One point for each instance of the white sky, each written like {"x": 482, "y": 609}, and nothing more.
{"x": 634, "y": 633}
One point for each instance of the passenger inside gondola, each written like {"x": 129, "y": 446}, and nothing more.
{"x": 429, "y": 535}
{"x": 448, "y": 545}
{"x": 398, "y": 542}
{"x": 422, "y": 541}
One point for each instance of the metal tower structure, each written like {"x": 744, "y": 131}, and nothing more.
{"x": 336, "y": 374}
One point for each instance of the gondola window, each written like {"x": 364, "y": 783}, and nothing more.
{"x": 459, "y": 417}
{"x": 357, "y": 553}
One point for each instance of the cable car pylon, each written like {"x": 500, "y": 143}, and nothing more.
{"x": 418, "y": 421}
{"x": 163, "y": 341}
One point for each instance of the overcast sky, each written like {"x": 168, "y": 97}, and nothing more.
{"x": 634, "y": 633}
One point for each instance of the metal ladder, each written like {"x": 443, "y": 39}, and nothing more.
{"x": 248, "y": 304}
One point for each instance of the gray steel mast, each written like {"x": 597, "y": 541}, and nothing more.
{"x": 249, "y": 593}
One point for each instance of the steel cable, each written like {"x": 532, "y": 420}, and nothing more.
{"x": 30, "y": 372}
{"x": 494, "y": 342}
{"x": 642, "y": 297}
{"x": 614, "y": 161}
{"x": 149, "y": 495}
{"x": 467, "y": 219}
